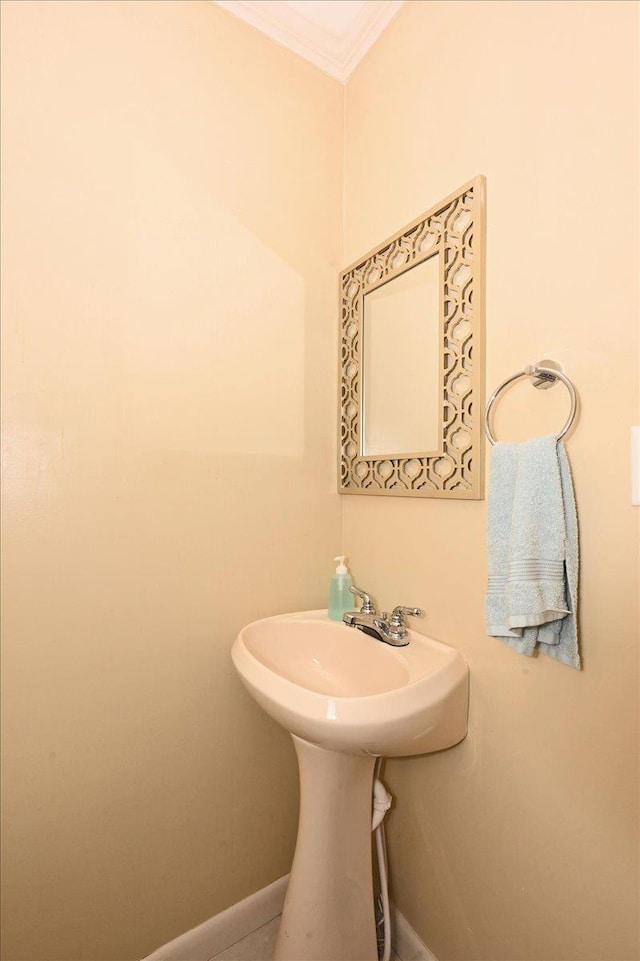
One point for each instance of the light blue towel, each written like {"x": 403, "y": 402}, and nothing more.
{"x": 532, "y": 595}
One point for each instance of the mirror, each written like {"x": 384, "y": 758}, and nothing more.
{"x": 412, "y": 357}
{"x": 401, "y": 327}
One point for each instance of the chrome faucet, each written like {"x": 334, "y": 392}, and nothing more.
{"x": 392, "y": 630}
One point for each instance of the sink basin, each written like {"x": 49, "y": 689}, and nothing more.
{"x": 337, "y": 687}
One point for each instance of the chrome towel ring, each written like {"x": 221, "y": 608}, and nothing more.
{"x": 542, "y": 377}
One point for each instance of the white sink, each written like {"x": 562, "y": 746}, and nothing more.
{"x": 337, "y": 687}
{"x": 345, "y": 697}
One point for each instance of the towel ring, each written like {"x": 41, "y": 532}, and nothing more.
{"x": 546, "y": 377}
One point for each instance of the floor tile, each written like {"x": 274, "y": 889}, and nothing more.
{"x": 257, "y": 946}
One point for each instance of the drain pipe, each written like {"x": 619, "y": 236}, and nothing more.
{"x": 381, "y": 804}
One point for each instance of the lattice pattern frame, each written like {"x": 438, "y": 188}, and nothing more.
{"x": 455, "y": 227}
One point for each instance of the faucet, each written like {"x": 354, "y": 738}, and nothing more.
{"x": 392, "y": 630}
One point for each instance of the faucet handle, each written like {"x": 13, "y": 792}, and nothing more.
{"x": 368, "y": 604}
{"x": 400, "y": 612}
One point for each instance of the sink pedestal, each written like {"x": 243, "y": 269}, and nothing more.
{"x": 328, "y": 911}
{"x": 332, "y": 686}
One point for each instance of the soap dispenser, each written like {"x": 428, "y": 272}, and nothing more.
{"x": 340, "y": 597}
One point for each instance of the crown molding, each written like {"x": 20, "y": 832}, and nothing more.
{"x": 337, "y": 54}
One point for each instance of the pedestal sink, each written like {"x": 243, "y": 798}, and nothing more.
{"x": 346, "y": 698}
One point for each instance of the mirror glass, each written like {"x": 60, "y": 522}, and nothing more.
{"x": 401, "y": 345}
{"x": 412, "y": 357}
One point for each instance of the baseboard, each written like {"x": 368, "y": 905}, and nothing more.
{"x": 406, "y": 943}
{"x": 224, "y": 929}
{"x": 241, "y": 919}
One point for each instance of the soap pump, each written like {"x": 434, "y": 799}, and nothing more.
{"x": 340, "y": 597}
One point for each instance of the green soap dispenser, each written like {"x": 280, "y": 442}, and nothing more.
{"x": 340, "y": 597}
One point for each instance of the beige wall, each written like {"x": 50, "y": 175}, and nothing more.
{"x": 172, "y": 190}
{"x": 520, "y": 843}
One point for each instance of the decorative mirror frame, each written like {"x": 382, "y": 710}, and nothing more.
{"x": 455, "y": 228}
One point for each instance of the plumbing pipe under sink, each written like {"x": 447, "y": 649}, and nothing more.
{"x": 381, "y": 804}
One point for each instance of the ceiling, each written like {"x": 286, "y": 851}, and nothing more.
{"x": 333, "y": 34}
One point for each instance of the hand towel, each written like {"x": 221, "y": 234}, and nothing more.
{"x": 532, "y": 593}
